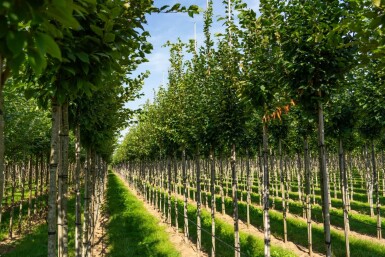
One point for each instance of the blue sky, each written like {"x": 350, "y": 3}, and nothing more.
{"x": 170, "y": 26}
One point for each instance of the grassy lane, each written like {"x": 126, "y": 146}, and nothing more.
{"x": 131, "y": 230}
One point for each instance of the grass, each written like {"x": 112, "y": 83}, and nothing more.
{"x": 131, "y": 230}
{"x": 297, "y": 230}
{"x": 4, "y": 226}
{"x": 297, "y": 233}
{"x": 35, "y": 243}
{"x": 251, "y": 246}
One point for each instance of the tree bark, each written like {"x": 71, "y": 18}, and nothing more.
{"x": 22, "y": 178}
{"x": 248, "y": 186}
{"x": 185, "y": 195}
{"x": 237, "y": 244}
{"x": 168, "y": 190}
{"x": 344, "y": 189}
{"x": 375, "y": 184}
{"x": 3, "y": 77}
{"x": 266, "y": 222}
{"x": 282, "y": 175}
{"x": 78, "y": 223}
{"x": 308, "y": 193}
{"x": 324, "y": 180}
{"x": 30, "y": 191}
{"x": 10, "y": 231}
{"x": 198, "y": 200}
{"x": 54, "y": 159}
{"x": 212, "y": 160}
{"x": 63, "y": 183}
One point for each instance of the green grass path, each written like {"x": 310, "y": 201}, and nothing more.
{"x": 131, "y": 230}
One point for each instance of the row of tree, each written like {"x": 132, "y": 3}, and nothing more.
{"x": 73, "y": 59}
{"x": 298, "y": 68}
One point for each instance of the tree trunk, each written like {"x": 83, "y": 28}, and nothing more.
{"x": 308, "y": 192}
{"x": 78, "y": 223}
{"x": 324, "y": 180}
{"x": 344, "y": 189}
{"x": 168, "y": 190}
{"x": 22, "y": 178}
{"x": 248, "y": 199}
{"x": 186, "y": 195}
{"x": 212, "y": 189}
{"x": 176, "y": 191}
{"x": 266, "y": 222}
{"x": 375, "y": 183}
{"x": 87, "y": 198}
{"x": 223, "y": 208}
{"x": 54, "y": 160}
{"x": 30, "y": 169}
{"x": 10, "y": 231}
{"x": 3, "y": 77}
{"x": 63, "y": 183}
{"x": 282, "y": 175}
{"x": 36, "y": 183}
{"x": 237, "y": 245}
{"x": 198, "y": 200}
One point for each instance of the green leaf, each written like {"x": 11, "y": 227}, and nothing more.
{"x": 175, "y": 7}
{"x": 109, "y": 37}
{"x": 85, "y": 68}
{"x": 377, "y": 3}
{"x": 98, "y": 31}
{"x": 48, "y": 45}
{"x": 15, "y": 41}
{"x": 83, "y": 57}
{"x": 16, "y": 62}
{"x": 63, "y": 16}
{"x": 37, "y": 61}
{"x": 108, "y": 26}
{"x": 115, "y": 12}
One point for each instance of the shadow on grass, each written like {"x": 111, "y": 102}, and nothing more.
{"x": 35, "y": 243}
{"x": 131, "y": 230}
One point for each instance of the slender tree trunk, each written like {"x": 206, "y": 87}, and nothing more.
{"x": 282, "y": 175}
{"x": 22, "y": 178}
{"x": 186, "y": 195}
{"x": 168, "y": 191}
{"x": 63, "y": 183}
{"x": 87, "y": 198}
{"x": 10, "y": 231}
{"x": 308, "y": 193}
{"x": 176, "y": 191}
{"x": 212, "y": 160}
{"x": 54, "y": 160}
{"x": 6, "y": 181}
{"x": 237, "y": 244}
{"x": 36, "y": 183}
{"x": 266, "y": 221}
{"x": 198, "y": 200}
{"x": 369, "y": 180}
{"x": 324, "y": 180}
{"x": 248, "y": 199}
{"x": 260, "y": 176}
{"x": 30, "y": 169}
{"x": 3, "y": 77}
{"x": 223, "y": 208}
{"x": 344, "y": 195}
{"x": 78, "y": 223}
{"x": 375, "y": 183}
